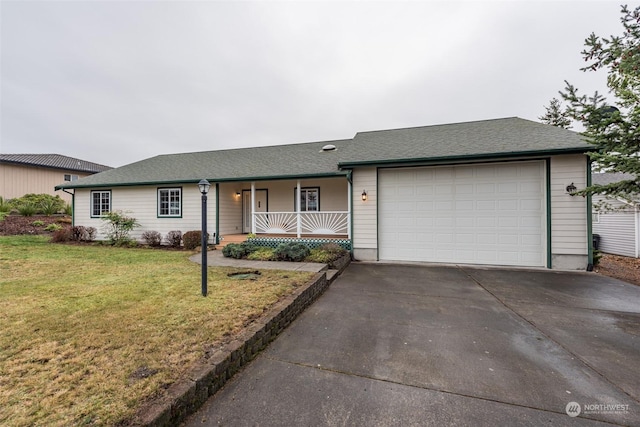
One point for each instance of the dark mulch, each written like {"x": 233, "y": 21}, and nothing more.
{"x": 620, "y": 267}
{"x": 18, "y": 225}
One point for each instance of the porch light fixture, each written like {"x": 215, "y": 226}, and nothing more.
{"x": 237, "y": 194}
{"x": 204, "y": 186}
{"x": 571, "y": 189}
{"x": 364, "y": 195}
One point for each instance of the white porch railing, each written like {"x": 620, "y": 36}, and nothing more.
{"x": 301, "y": 223}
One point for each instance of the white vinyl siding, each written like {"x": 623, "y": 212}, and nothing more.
{"x": 568, "y": 213}
{"x": 365, "y": 223}
{"x": 230, "y": 208}
{"x": 476, "y": 214}
{"x": 617, "y": 230}
{"x": 140, "y": 203}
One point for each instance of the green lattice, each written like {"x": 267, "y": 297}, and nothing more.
{"x": 273, "y": 242}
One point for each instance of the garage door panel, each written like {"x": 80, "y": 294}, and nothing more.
{"x": 486, "y": 214}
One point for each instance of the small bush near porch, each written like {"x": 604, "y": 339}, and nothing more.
{"x": 91, "y": 332}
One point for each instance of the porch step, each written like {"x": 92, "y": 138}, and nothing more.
{"x": 231, "y": 238}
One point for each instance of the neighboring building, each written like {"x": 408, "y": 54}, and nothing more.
{"x": 22, "y": 174}
{"x": 618, "y": 228}
{"x": 487, "y": 192}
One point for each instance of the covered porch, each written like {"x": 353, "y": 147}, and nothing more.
{"x": 318, "y": 207}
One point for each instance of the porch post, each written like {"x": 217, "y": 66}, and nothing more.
{"x": 253, "y": 207}
{"x": 298, "y": 209}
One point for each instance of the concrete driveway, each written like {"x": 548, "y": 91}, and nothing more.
{"x": 391, "y": 345}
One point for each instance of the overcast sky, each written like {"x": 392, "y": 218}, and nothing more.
{"x": 118, "y": 81}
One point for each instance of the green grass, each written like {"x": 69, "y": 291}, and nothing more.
{"x": 78, "y": 323}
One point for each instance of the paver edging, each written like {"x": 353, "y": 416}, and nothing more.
{"x": 185, "y": 396}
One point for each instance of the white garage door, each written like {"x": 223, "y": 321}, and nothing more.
{"x": 475, "y": 214}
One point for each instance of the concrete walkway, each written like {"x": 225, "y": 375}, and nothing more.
{"x": 400, "y": 345}
{"x": 216, "y": 259}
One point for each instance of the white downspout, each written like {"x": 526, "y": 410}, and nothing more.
{"x": 636, "y": 214}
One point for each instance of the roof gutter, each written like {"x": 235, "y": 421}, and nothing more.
{"x": 195, "y": 181}
{"x": 465, "y": 158}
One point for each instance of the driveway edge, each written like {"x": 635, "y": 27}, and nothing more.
{"x": 207, "y": 377}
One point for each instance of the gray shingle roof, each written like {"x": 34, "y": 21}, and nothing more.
{"x": 55, "y": 161}
{"x": 462, "y": 140}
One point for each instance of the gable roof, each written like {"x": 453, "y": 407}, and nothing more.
{"x": 483, "y": 139}
{"x": 54, "y": 161}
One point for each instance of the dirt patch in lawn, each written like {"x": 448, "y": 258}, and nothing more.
{"x": 620, "y": 267}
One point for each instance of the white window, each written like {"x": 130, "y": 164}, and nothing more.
{"x": 595, "y": 217}
{"x": 100, "y": 203}
{"x": 71, "y": 177}
{"x": 310, "y": 199}
{"x": 169, "y": 202}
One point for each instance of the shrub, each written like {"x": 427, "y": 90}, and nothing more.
{"x": 37, "y": 223}
{"x": 118, "y": 226}
{"x": 27, "y": 209}
{"x": 5, "y": 206}
{"x": 80, "y": 233}
{"x": 53, "y": 227}
{"x": 52, "y": 204}
{"x": 68, "y": 209}
{"x": 238, "y": 250}
{"x": 91, "y": 233}
{"x": 49, "y": 207}
{"x": 61, "y": 236}
{"x": 262, "y": 254}
{"x": 152, "y": 238}
{"x": 292, "y": 251}
{"x": 174, "y": 238}
{"x": 193, "y": 239}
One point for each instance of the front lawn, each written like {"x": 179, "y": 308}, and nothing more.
{"x": 90, "y": 332}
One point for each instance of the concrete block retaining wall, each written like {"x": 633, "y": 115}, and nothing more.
{"x": 186, "y": 396}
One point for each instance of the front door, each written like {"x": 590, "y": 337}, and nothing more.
{"x": 261, "y": 206}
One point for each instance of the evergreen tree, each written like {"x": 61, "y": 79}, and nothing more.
{"x": 614, "y": 131}
{"x": 555, "y": 115}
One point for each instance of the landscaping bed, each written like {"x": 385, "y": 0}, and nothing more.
{"x": 91, "y": 333}
{"x": 13, "y": 225}
{"x": 620, "y": 267}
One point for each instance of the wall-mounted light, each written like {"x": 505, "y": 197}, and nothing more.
{"x": 237, "y": 194}
{"x": 571, "y": 189}
{"x": 364, "y": 195}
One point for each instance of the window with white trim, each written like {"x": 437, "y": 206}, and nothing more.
{"x": 309, "y": 199}
{"x": 169, "y": 202}
{"x": 100, "y": 203}
{"x": 69, "y": 178}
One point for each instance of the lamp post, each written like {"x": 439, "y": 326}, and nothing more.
{"x": 204, "y": 185}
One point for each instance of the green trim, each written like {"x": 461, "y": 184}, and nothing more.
{"x": 350, "y": 190}
{"x": 589, "y": 218}
{"x": 217, "y": 240}
{"x": 336, "y": 174}
{"x": 548, "y": 185}
{"x": 471, "y": 158}
{"x": 158, "y": 189}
